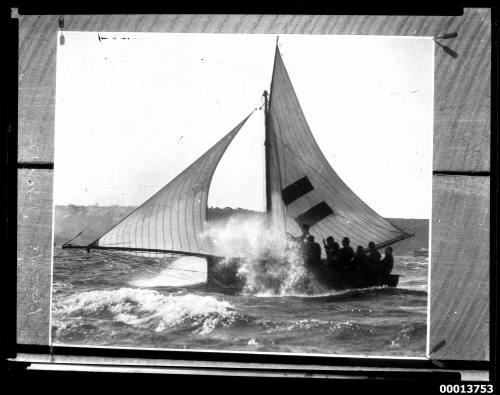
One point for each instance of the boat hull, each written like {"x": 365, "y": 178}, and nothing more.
{"x": 223, "y": 274}
{"x": 354, "y": 278}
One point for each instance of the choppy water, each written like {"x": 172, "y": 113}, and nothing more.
{"x": 111, "y": 299}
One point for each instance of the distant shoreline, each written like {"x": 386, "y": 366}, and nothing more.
{"x": 210, "y": 209}
{"x": 71, "y": 219}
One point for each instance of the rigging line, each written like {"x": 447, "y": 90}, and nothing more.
{"x": 181, "y": 214}
{"x": 69, "y": 241}
{"x": 163, "y": 225}
{"x": 174, "y": 203}
{"x": 193, "y": 212}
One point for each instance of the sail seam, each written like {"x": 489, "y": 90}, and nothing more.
{"x": 158, "y": 205}
{"x": 193, "y": 216}
{"x": 181, "y": 212}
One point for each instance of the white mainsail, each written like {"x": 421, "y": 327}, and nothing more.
{"x": 173, "y": 219}
{"x": 302, "y": 188}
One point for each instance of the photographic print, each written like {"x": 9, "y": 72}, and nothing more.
{"x": 243, "y": 192}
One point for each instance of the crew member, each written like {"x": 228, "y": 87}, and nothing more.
{"x": 312, "y": 254}
{"x": 305, "y": 233}
{"x": 387, "y": 263}
{"x": 373, "y": 258}
{"x": 346, "y": 253}
{"x": 360, "y": 260}
{"x": 332, "y": 251}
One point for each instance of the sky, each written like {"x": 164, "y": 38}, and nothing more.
{"x": 135, "y": 109}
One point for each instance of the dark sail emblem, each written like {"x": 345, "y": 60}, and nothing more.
{"x": 314, "y": 214}
{"x": 294, "y": 191}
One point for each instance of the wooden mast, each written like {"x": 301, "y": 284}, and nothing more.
{"x": 267, "y": 146}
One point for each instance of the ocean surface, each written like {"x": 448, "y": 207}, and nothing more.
{"x": 116, "y": 299}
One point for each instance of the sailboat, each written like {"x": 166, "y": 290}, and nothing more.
{"x": 301, "y": 188}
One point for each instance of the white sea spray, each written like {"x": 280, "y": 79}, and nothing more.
{"x": 269, "y": 263}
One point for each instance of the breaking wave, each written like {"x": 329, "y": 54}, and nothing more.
{"x": 269, "y": 263}
{"x": 150, "y": 309}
